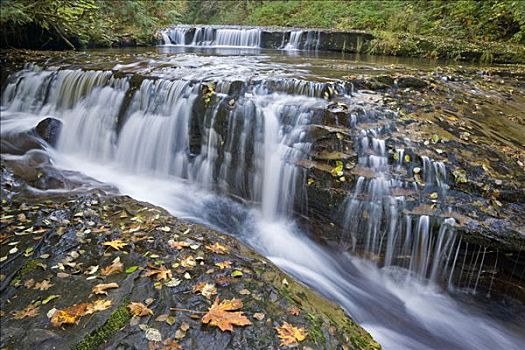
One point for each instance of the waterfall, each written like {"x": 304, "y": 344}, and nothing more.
{"x": 303, "y": 40}
{"x": 213, "y": 37}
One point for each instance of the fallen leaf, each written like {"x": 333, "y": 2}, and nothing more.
{"x": 259, "y": 316}
{"x": 116, "y": 244}
{"x": 50, "y": 298}
{"x": 289, "y": 334}
{"x": 206, "y": 289}
{"x": 101, "y": 288}
{"x": 131, "y": 269}
{"x": 115, "y": 267}
{"x": 29, "y": 283}
{"x": 160, "y": 274}
{"x": 293, "y": 310}
{"x": 217, "y": 248}
{"x": 139, "y": 309}
{"x": 31, "y": 310}
{"x": 44, "y": 285}
{"x": 178, "y": 244}
{"x": 224, "y": 264}
{"x": 220, "y": 315}
{"x": 188, "y": 262}
{"x": 99, "y": 305}
{"x": 170, "y": 344}
{"x": 69, "y": 315}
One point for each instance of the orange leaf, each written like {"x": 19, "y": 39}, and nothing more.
{"x": 115, "y": 267}
{"x": 101, "y": 288}
{"x": 139, "y": 309}
{"x": 290, "y": 334}
{"x": 217, "y": 248}
{"x": 70, "y": 315}
{"x": 178, "y": 244}
{"x": 220, "y": 315}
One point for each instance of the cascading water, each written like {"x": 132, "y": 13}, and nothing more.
{"x": 213, "y": 37}
{"x": 303, "y": 40}
{"x": 167, "y": 145}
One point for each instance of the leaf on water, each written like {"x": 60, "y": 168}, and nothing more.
{"x": 31, "y": 310}
{"x": 116, "y": 244}
{"x": 289, "y": 334}
{"x": 69, "y": 315}
{"x": 224, "y": 264}
{"x": 217, "y": 248}
{"x": 160, "y": 274}
{"x": 115, "y": 267}
{"x": 206, "y": 289}
{"x": 221, "y": 315}
{"x": 101, "y": 288}
{"x": 139, "y": 309}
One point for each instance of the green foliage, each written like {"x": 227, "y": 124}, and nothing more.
{"x": 83, "y": 22}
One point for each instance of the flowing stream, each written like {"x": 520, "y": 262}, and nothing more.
{"x": 157, "y": 141}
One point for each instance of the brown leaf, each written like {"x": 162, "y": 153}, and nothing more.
{"x": 70, "y": 315}
{"x": 290, "y": 334}
{"x": 217, "y": 248}
{"x": 220, "y": 315}
{"x": 115, "y": 267}
{"x": 259, "y": 316}
{"x": 293, "y": 310}
{"x": 139, "y": 309}
{"x": 98, "y": 305}
{"x": 178, "y": 244}
{"x": 30, "y": 311}
{"x": 29, "y": 283}
{"x": 160, "y": 274}
{"x": 44, "y": 285}
{"x": 170, "y": 344}
{"x": 206, "y": 289}
{"x": 101, "y": 288}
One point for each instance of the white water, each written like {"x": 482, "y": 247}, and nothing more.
{"x": 303, "y": 40}
{"x": 213, "y": 37}
{"x": 399, "y": 311}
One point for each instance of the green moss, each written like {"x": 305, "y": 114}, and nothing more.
{"x": 314, "y": 329}
{"x": 118, "y": 319}
{"x": 29, "y": 265}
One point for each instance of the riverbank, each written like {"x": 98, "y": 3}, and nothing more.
{"x": 126, "y": 273}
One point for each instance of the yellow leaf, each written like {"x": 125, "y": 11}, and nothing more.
{"x": 220, "y": 315}
{"x": 99, "y": 305}
{"x": 224, "y": 264}
{"x": 217, "y": 248}
{"x": 160, "y": 274}
{"x": 69, "y": 315}
{"x": 206, "y": 289}
{"x": 101, "y": 288}
{"x": 116, "y": 244}
{"x": 178, "y": 244}
{"x": 289, "y": 334}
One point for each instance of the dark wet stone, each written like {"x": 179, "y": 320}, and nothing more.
{"x": 49, "y": 130}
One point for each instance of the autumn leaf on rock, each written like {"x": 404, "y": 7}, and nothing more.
{"x": 116, "y": 244}
{"x": 224, "y": 264}
{"x": 69, "y": 315}
{"x": 289, "y": 334}
{"x": 115, "y": 267}
{"x": 293, "y": 310}
{"x": 98, "y": 305}
{"x": 44, "y": 285}
{"x": 206, "y": 289}
{"x": 139, "y": 309}
{"x": 101, "y": 288}
{"x": 178, "y": 244}
{"x": 160, "y": 274}
{"x": 31, "y": 310}
{"x": 221, "y": 315}
{"x": 217, "y": 248}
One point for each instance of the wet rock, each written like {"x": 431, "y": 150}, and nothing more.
{"x": 411, "y": 82}
{"x": 49, "y": 130}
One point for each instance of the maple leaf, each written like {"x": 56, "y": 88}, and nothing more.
{"x": 289, "y": 334}
{"x": 221, "y": 315}
{"x": 115, "y": 267}
{"x": 30, "y": 310}
{"x": 44, "y": 285}
{"x": 139, "y": 309}
{"x": 116, "y": 244}
{"x": 98, "y": 305}
{"x": 224, "y": 264}
{"x": 69, "y": 315}
{"x": 206, "y": 289}
{"x": 178, "y": 244}
{"x": 160, "y": 274}
{"x": 101, "y": 288}
{"x": 217, "y": 248}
